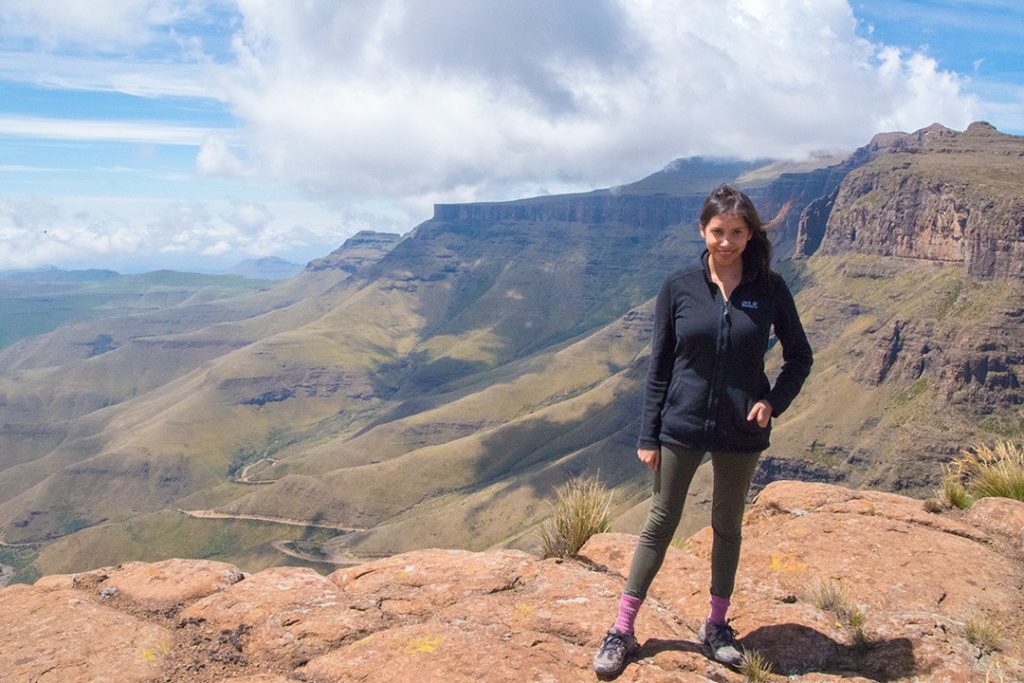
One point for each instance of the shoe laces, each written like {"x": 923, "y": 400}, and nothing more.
{"x": 721, "y": 634}
{"x": 614, "y": 643}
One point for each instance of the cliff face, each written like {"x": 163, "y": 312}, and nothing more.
{"x": 935, "y": 195}
{"x": 363, "y": 248}
{"x": 925, "y": 584}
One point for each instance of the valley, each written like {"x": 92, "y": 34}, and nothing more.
{"x": 431, "y": 389}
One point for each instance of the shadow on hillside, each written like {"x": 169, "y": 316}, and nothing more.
{"x": 799, "y": 649}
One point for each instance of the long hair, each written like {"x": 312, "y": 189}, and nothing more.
{"x": 727, "y": 200}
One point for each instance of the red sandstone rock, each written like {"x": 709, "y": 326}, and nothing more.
{"x": 918, "y": 579}
{"x": 171, "y": 582}
{"x": 999, "y": 516}
{"x": 290, "y": 614}
{"x": 65, "y": 635}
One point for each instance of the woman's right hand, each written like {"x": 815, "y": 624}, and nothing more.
{"x": 649, "y": 456}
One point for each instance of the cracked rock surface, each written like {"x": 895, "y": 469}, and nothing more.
{"x": 924, "y": 584}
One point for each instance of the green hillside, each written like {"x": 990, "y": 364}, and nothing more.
{"x": 432, "y": 390}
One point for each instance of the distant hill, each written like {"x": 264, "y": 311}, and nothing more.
{"x": 429, "y": 390}
{"x": 267, "y": 268}
{"x": 34, "y": 302}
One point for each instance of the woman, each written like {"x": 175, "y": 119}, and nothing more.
{"x": 707, "y": 392}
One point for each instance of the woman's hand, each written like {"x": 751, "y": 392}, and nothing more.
{"x": 649, "y": 456}
{"x": 762, "y": 412}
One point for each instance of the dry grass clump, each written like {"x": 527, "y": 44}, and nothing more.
{"x": 983, "y": 634}
{"x": 830, "y": 596}
{"x": 581, "y": 510}
{"x": 754, "y": 667}
{"x": 985, "y": 472}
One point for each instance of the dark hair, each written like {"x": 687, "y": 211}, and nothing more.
{"x": 727, "y": 200}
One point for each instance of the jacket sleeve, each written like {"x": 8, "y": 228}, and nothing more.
{"x": 797, "y": 356}
{"x": 659, "y": 371}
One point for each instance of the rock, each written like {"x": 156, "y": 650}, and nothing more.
{"x": 160, "y": 585}
{"x": 289, "y": 613}
{"x": 938, "y": 195}
{"x": 917, "y": 580}
{"x": 64, "y": 635}
{"x": 999, "y": 516}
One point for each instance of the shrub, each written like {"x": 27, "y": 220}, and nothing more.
{"x": 755, "y": 668}
{"x": 983, "y": 634}
{"x": 985, "y": 472}
{"x": 581, "y": 510}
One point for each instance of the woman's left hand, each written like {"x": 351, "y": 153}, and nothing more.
{"x": 761, "y": 412}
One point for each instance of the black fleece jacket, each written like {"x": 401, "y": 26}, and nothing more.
{"x": 707, "y": 361}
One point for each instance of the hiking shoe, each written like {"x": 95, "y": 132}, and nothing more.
{"x": 615, "y": 651}
{"x": 720, "y": 639}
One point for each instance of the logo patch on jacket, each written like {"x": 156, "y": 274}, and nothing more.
{"x": 748, "y": 304}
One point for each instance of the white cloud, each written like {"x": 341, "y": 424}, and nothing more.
{"x": 378, "y": 108}
{"x": 215, "y": 158}
{"x": 405, "y": 100}
{"x": 106, "y": 130}
{"x": 101, "y": 24}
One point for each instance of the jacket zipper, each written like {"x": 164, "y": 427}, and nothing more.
{"x": 718, "y": 377}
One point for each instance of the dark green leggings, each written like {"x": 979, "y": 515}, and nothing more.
{"x": 732, "y": 472}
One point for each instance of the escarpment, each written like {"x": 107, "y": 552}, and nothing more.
{"x": 935, "y": 195}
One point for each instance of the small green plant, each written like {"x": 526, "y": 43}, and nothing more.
{"x": 982, "y": 634}
{"x": 580, "y": 511}
{"x": 854, "y": 619}
{"x": 985, "y": 472}
{"x": 830, "y": 596}
{"x": 755, "y": 667}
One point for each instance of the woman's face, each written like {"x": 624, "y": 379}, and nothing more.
{"x": 726, "y": 236}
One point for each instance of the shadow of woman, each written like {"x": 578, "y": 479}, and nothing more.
{"x": 798, "y": 649}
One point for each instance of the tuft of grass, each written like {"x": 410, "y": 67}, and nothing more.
{"x": 854, "y": 620}
{"x": 580, "y": 511}
{"x": 755, "y": 668}
{"x": 830, "y": 596}
{"x": 983, "y": 634}
{"x": 985, "y": 471}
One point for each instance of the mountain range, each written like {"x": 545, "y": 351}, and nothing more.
{"x": 430, "y": 390}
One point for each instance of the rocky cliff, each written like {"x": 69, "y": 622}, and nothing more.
{"x": 363, "y": 248}
{"x": 936, "y": 195}
{"x": 939, "y": 599}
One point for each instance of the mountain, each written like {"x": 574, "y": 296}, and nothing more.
{"x": 835, "y": 585}
{"x": 266, "y": 268}
{"x": 429, "y": 390}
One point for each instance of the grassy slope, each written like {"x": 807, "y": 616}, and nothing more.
{"x": 896, "y": 434}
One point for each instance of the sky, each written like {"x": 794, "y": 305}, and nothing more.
{"x": 145, "y": 134}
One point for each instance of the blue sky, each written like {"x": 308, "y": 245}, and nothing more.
{"x": 141, "y": 134}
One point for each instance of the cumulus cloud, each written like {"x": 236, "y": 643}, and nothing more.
{"x": 378, "y": 108}
{"x": 215, "y": 158}
{"x": 452, "y": 98}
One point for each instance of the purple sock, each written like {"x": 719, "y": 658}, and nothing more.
{"x": 719, "y": 606}
{"x": 628, "y": 607}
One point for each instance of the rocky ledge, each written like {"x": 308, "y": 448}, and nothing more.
{"x": 939, "y": 595}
